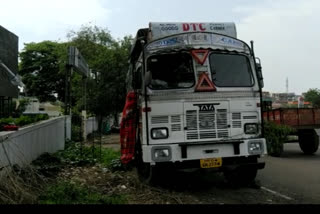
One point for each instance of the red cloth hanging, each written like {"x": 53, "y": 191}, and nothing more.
{"x": 128, "y": 129}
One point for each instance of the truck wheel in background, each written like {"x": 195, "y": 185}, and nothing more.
{"x": 242, "y": 175}
{"x": 308, "y": 141}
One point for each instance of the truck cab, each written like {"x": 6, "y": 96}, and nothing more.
{"x": 198, "y": 92}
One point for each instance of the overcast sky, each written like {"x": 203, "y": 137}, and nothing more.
{"x": 286, "y": 32}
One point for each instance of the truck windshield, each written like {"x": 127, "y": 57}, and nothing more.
{"x": 171, "y": 71}
{"x": 229, "y": 70}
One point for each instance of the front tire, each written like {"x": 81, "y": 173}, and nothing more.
{"x": 242, "y": 175}
{"x": 146, "y": 173}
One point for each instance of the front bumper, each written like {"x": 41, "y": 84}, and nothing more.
{"x": 182, "y": 152}
{"x": 228, "y": 164}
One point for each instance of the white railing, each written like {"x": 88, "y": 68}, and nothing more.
{"x": 27, "y": 144}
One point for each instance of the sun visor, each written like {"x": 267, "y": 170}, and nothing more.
{"x": 161, "y": 29}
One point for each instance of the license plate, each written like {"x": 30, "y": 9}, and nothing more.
{"x": 211, "y": 163}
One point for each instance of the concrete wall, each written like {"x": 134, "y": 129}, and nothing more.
{"x": 91, "y": 125}
{"x": 27, "y": 144}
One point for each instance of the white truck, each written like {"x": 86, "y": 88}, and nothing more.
{"x": 198, "y": 101}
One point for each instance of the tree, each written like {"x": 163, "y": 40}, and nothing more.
{"x": 43, "y": 64}
{"x": 108, "y": 60}
{"x": 42, "y": 70}
{"x": 313, "y": 96}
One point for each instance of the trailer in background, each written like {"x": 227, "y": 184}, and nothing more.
{"x": 306, "y": 122}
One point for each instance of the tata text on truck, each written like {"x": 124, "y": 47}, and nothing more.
{"x": 194, "y": 101}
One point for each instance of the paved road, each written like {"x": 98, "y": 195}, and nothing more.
{"x": 294, "y": 175}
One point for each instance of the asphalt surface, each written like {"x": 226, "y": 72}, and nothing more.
{"x": 293, "y": 175}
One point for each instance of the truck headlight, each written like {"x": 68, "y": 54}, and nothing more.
{"x": 159, "y": 133}
{"x": 251, "y": 128}
{"x": 255, "y": 147}
{"x": 161, "y": 154}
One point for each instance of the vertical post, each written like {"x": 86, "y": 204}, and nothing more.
{"x": 93, "y": 147}
{"x": 100, "y": 152}
{"x": 67, "y": 99}
{"x": 84, "y": 107}
{"x": 84, "y": 125}
{"x": 9, "y": 106}
{"x": 1, "y": 106}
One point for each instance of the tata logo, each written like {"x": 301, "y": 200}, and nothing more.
{"x": 207, "y": 107}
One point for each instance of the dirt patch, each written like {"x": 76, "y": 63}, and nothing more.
{"x": 111, "y": 141}
{"x": 184, "y": 188}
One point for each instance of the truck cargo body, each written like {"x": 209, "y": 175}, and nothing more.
{"x": 305, "y": 123}
{"x": 294, "y": 117}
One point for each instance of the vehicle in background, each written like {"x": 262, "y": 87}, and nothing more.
{"x": 305, "y": 122}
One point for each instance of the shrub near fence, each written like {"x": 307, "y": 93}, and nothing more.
{"x": 24, "y": 120}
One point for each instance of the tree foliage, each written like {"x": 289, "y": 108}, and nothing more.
{"x": 43, "y": 70}
{"x": 108, "y": 60}
{"x": 313, "y": 96}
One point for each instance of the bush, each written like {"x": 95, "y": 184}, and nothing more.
{"x": 76, "y": 133}
{"x": 24, "y": 119}
{"x": 9, "y": 120}
{"x": 79, "y": 155}
{"x": 276, "y": 136}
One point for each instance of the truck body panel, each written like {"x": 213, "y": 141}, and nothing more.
{"x": 294, "y": 117}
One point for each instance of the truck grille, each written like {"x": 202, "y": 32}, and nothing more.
{"x": 175, "y": 122}
{"x": 207, "y": 124}
{"x": 236, "y": 121}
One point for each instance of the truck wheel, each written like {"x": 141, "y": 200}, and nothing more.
{"x": 275, "y": 149}
{"x": 146, "y": 172}
{"x": 308, "y": 141}
{"x": 241, "y": 176}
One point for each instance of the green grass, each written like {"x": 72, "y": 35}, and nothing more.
{"x": 68, "y": 193}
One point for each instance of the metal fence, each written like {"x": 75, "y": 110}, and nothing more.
{"x": 27, "y": 144}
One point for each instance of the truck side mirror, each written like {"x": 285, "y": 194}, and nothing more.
{"x": 147, "y": 78}
{"x": 137, "y": 79}
{"x": 259, "y": 73}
